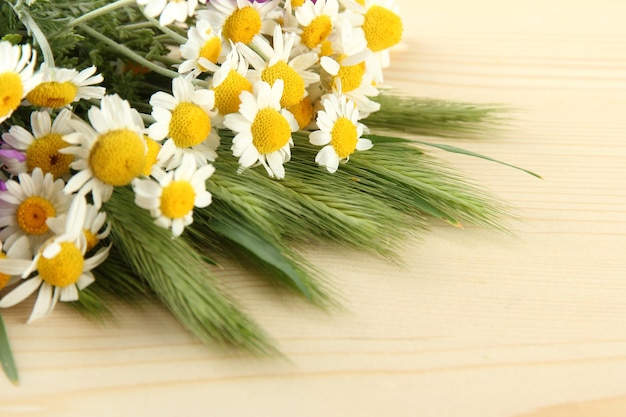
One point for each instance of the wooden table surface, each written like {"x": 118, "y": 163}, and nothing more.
{"x": 476, "y": 323}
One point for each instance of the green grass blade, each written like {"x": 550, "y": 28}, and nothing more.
{"x": 6, "y": 356}
{"x": 454, "y": 149}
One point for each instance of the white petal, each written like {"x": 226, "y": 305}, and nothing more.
{"x": 21, "y": 292}
{"x": 43, "y": 303}
{"x": 69, "y": 293}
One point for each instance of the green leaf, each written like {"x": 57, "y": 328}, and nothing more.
{"x": 454, "y": 149}
{"x": 6, "y": 357}
{"x": 264, "y": 250}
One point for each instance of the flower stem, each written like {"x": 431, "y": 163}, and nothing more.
{"x": 128, "y": 52}
{"x": 98, "y": 12}
{"x": 37, "y": 33}
{"x": 172, "y": 34}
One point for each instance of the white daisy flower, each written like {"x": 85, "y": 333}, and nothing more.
{"x": 17, "y": 65}
{"x": 340, "y": 132}
{"x": 108, "y": 153}
{"x": 27, "y": 204}
{"x": 60, "y": 267}
{"x": 263, "y": 129}
{"x": 19, "y": 250}
{"x": 227, "y": 84}
{"x": 273, "y": 62}
{"x": 184, "y": 118}
{"x": 95, "y": 227}
{"x": 59, "y": 87}
{"x": 241, "y": 21}
{"x": 169, "y": 10}
{"x": 41, "y": 147}
{"x": 171, "y": 196}
{"x": 382, "y": 27}
{"x": 316, "y": 19}
{"x": 202, "y": 51}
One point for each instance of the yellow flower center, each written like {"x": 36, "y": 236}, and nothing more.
{"x": 177, "y": 199}
{"x": 382, "y": 27}
{"x": 118, "y": 157}
{"x": 303, "y": 112}
{"x": 4, "y": 278}
{"x": 227, "y": 93}
{"x": 270, "y": 131}
{"x": 11, "y": 92}
{"x": 211, "y": 50}
{"x": 326, "y": 48}
{"x": 242, "y": 25}
{"x": 32, "y": 214}
{"x": 190, "y": 125}
{"x": 317, "y": 31}
{"x": 151, "y": 155}
{"x": 361, "y": 2}
{"x": 64, "y": 269}
{"x": 294, "y": 84}
{"x": 344, "y": 137}
{"x": 44, "y": 153}
{"x": 297, "y": 3}
{"x": 53, "y": 94}
{"x": 351, "y": 76}
{"x": 91, "y": 238}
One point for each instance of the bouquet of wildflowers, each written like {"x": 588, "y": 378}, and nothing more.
{"x": 145, "y": 140}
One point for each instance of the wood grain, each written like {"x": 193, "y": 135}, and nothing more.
{"x": 475, "y": 323}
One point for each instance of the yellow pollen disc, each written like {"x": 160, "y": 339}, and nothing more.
{"x": 326, "y": 48}
{"x": 4, "y": 278}
{"x": 190, "y": 125}
{"x": 242, "y": 25}
{"x": 11, "y": 92}
{"x": 351, "y": 76}
{"x": 64, "y": 269}
{"x": 32, "y": 214}
{"x": 53, "y": 94}
{"x": 151, "y": 155}
{"x": 294, "y": 84}
{"x": 211, "y": 50}
{"x": 344, "y": 137}
{"x": 303, "y": 112}
{"x": 44, "y": 153}
{"x": 177, "y": 199}
{"x": 382, "y": 27}
{"x": 118, "y": 157}
{"x": 270, "y": 131}
{"x": 227, "y": 93}
{"x": 297, "y": 3}
{"x": 317, "y": 31}
{"x": 91, "y": 238}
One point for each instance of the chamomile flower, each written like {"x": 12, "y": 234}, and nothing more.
{"x": 347, "y": 71}
{"x": 316, "y": 20}
{"x": 109, "y": 152}
{"x": 202, "y": 51}
{"x": 27, "y": 204}
{"x": 240, "y": 21}
{"x": 95, "y": 227}
{"x": 59, "y": 266}
{"x": 17, "y": 65}
{"x": 273, "y": 63}
{"x": 41, "y": 147}
{"x": 171, "y": 196}
{"x": 382, "y": 27}
{"x": 263, "y": 129}
{"x": 169, "y": 10}
{"x": 184, "y": 118}
{"x": 59, "y": 87}
{"x": 340, "y": 132}
{"x": 227, "y": 84}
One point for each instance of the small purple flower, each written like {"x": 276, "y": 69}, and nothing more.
{"x": 12, "y": 154}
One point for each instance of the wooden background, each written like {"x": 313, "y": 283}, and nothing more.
{"x": 475, "y": 323}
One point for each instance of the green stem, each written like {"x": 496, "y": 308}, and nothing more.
{"x": 37, "y": 33}
{"x": 128, "y": 52}
{"x": 172, "y": 34}
{"x": 98, "y": 12}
